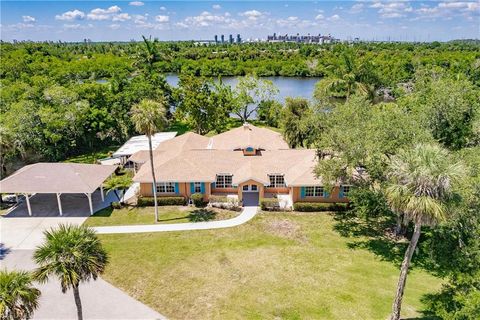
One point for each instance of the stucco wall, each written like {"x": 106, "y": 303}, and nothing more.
{"x": 259, "y": 187}
{"x": 333, "y": 197}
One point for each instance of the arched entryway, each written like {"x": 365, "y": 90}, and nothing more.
{"x": 250, "y": 192}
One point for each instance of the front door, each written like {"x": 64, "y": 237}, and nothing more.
{"x": 250, "y": 195}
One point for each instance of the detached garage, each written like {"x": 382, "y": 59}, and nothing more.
{"x": 58, "y": 179}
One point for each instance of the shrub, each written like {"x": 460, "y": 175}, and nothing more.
{"x": 224, "y": 202}
{"x": 116, "y": 205}
{"x": 269, "y": 204}
{"x": 319, "y": 206}
{"x": 161, "y": 201}
{"x": 197, "y": 199}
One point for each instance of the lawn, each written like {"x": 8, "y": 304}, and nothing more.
{"x": 93, "y": 156}
{"x": 276, "y": 266}
{"x": 166, "y": 214}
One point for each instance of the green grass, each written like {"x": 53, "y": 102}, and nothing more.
{"x": 93, "y": 156}
{"x": 276, "y": 266}
{"x": 134, "y": 215}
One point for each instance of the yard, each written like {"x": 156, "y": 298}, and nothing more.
{"x": 277, "y": 266}
{"x": 166, "y": 214}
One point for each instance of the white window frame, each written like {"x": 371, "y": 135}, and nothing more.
{"x": 197, "y": 187}
{"x": 165, "y": 187}
{"x": 314, "y": 191}
{"x": 221, "y": 182}
{"x": 277, "y": 180}
{"x": 345, "y": 193}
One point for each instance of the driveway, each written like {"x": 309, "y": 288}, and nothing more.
{"x": 100, "y": 300}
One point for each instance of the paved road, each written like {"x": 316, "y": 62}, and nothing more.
{"x": 247, "y": 214}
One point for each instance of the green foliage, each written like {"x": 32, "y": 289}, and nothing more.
{"x": 200, "y": 215}
{"x": 118, "y": 182}
{"x": 319, "y": 206}
{"x": 197, "y": 199}
{"x": 368, "y": 203}
{"x": 299, "y": 123}
{"x": 218, "y": 199}
{"x": 270, "y": 204}
{"x": 161, "y": 201}
{"x": 116, "y": 205}
{"x": 148, "y": 117}
{"x": 18, "y": 297}
{"x": 71, "y": 253}
{"x": 270, "y": 113}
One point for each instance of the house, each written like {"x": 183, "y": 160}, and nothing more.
{"x": 247, "y": 163}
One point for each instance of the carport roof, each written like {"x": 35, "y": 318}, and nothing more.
{"x": 45, "y": 177}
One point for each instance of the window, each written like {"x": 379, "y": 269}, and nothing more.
{"x": 197, "y": 187}
{"x": 314, "y": 192}
{"x": 166, "y": 187}
{"x": 245, "y": 187}
{"x": 345, "y": 191}
{"x": 254, "y": 187}
{"x": 223, "y": 181}
{"x": 277, "y": 180}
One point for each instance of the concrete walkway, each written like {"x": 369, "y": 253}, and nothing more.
{"x": 247, "y": 214}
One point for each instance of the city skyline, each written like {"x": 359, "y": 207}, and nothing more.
{"x": 188, "y": 20}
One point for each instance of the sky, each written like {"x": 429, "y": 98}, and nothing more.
{"x": 198, "y": 20}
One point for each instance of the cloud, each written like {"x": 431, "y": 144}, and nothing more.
{"x": 163, "y": 8}
{"x": 319, "y": 17}
{"x": 103, "y": 14}
{"x": 335, "y": 17}
{"x": 293, "y": 21}
{"x": 121, "y": 17}
{"x": 136, "y": 3}
{"x": 71, "y": 15}
{"x": 28, "y": 19}
{"x": 357, "y": 8}
{"x": 216, "y": 6}
{"x": 207, "y": 19}
{"x": 448, "y": 10}
{"x": 394, "y": 9}
{"x": 139, "y": 19}
{"x": 162, "y": 19}
{"x": 251, "y": 14}
{"x": 114, "y": 26}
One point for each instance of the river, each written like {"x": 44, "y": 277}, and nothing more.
{"x": 287, "y": 86}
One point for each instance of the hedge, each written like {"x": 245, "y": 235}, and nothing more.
{"x": 269, "y": 204}
{"x": 319, "y": 206}
{"x": 161, "y": 201}
{"x": 218, "y": 199}
{"x": 197, "y": 199}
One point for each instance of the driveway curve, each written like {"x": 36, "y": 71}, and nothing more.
{"x": 247, "y": 214}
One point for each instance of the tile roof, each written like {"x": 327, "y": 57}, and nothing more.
{"x": 191, "y": 157}
{"x": 46, "y": 177}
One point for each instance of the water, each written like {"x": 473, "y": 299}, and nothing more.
{"x": 288, "y": 86}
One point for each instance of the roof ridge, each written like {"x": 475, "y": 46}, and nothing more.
{"x": 70, "y": 165}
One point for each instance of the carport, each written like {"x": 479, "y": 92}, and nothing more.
{"x": 58, "y": 179}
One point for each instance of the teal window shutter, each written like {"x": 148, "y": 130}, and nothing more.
{"x": 192, "y": 187}
{"x": 341, "y": 192}
{"x": 202, "y": 187}
{"x": 325, "y": 194}
{"x": 176, "y": 188}
{"x": 213, "y": 185}
{"x": 302, "y": 192}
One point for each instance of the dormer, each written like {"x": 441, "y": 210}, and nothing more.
{"x": 250, "y": 151}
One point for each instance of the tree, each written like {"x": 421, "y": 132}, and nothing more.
{"x": 120, "y": 182}
{"x": 294, "y": 121}
{"x": 347, "y": 77}
{"x": 420, "y": 186}
{"x": 18, "y": 297}
{"x": 250, "y": 92}
{"x": 148, "y": 117}
{"x": 270, "y": 112}
{"x": 73, "y": 254}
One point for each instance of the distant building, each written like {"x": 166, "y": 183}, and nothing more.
{"x": 216, "y": 39}
{"x": 223, "y": 38}
{"x": 302, "y": 38}
{"x": 239, "y": 39}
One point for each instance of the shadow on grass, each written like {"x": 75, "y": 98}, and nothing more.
{"x": 106, "y": 212}
{"x": 375, "y": 236}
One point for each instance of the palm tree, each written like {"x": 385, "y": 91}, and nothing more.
{"x": 18, "y": 297}
{"x": 148, "y": 117}
{"x": 346, "y": 79}
{"x": 74, "y": 255}
{"x": 121, "y": 182}
{"x": 420, "y": 186}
